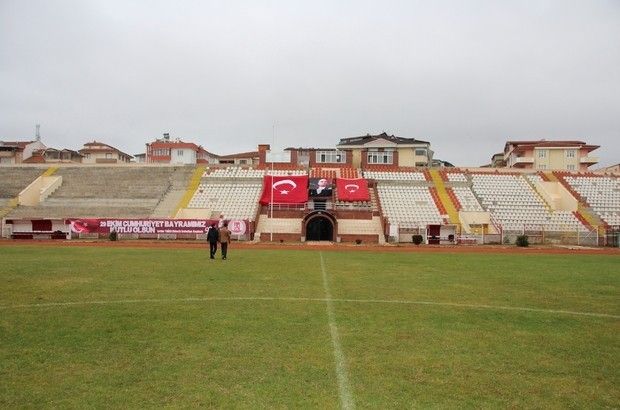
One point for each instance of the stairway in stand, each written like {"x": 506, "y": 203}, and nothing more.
{"x": 444, "y": 197}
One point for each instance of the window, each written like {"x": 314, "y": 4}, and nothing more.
{"x": 570, "y": 153}
{"x": 542, "y": 166}
{"x": 570, "y": 167}
{"x": 420, "y": 152}
{"x": 384, "y": 157}
{"x": 542, "y": 153}
{"x": 87, "y": 155}
{"x": 108, "y": 155}
{"x": 161, "y": 152}
{"x": 331, "y": 157}
{"x": 179, "y": 152}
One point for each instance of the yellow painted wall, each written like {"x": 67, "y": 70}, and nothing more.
{"x": 556, "y": 159}
{"x": 356, "y": 158}
{"x": 406, "y": 157}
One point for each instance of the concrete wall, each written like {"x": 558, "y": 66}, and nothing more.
{"x": 39, "y": 190}
{"x": 558, "y": 197}
{"x": 193, "y": 213}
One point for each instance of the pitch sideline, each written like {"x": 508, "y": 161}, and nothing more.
{"x": 298, "y": 299}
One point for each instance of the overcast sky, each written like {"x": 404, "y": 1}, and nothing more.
{"x": 465, "y": 75}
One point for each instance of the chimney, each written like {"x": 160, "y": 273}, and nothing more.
{"x": 166, "y": 136}
{"x": 38, "y": 133}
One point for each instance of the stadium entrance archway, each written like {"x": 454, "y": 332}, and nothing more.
{"x": 320, "y": 226}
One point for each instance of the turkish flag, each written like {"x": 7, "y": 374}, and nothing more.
{"x": 352, "y": 189}
{"x": 285, "y": 189}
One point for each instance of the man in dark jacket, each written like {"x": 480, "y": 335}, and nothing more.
{"x": 213, "y": 236}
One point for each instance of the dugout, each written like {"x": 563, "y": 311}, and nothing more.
{"x": 440, "y": 234}
{"x": 36, "y": 229}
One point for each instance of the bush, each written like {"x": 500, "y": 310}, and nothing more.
{"x": 522, "y": 241}
{"x": 417, "y": 239}
{"x": 113, "y": 236}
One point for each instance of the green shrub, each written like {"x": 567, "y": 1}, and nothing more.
{"x": 522, "y": 241}
{"x": 417, "y": 239}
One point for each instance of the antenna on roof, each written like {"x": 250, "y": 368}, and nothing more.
{"x": 38, "y": 134}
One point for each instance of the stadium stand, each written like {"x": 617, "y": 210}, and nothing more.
{"x": 407, "y": 198}
{"x": 233, "y": 192}
{"x": 601, "y": 193}
{"x": 515, "y": 204}
{"x": 318, "y": 172}
{"x": 15, "y": 179}
{"x": 104, "y": 192}
{"x": 466, "y": 198}
{"x": 408, "y": 206}
{"x": 234, "y": 172}
{"x": 237, "y": 200}
{"x": 395, "y": 176}
{"x": 284, "y": 172}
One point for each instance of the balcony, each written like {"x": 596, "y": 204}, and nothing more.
{"x": 588, "y": 160}
{"x": 520, "y": 161}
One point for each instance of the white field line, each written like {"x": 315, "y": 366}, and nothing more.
{"x": 344, "y": 389}
{"x": 297, "y": 299}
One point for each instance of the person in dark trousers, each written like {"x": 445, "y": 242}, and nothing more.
{"x": 213, "y": 236}
{"x": 224, "y": 239}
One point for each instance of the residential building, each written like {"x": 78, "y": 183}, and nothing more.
{"x": 53, "y": 155}
{"x": 140, "y": 158}
{"x": 100, "y": 153}
{"x": 250, "y": 159}
{"x": 167, "y": 151}
{"x": 16, "y": 152}
{"x": 386, "y": 150}
{"x": 497, "y": 160}
{"x": 612, "y": 169}
{"x": 549, "y": 155}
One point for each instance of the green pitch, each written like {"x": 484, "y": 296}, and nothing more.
{"x": 110, "y": 327}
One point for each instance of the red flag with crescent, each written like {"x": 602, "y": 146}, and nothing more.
{"x": 352, "y": 189}
{"x": 290, "y": 189}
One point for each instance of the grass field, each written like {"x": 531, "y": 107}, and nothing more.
{"x": 114, "y": 327}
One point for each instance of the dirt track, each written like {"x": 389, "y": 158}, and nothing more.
{"x": 489, "y": 249}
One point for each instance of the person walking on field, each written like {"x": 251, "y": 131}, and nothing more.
{"x": 213, "y": 237}
{"x": 224, "y": 239}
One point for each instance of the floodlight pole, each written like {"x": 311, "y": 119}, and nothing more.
{"x": 273, "y": 143}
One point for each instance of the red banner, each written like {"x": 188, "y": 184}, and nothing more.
{"x": 148, "y": 226}
{"x": 285, "y": 189}
{"x": 352, "y": 189}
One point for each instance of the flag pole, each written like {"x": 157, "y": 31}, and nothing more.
{"x": 273, "y": 143}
